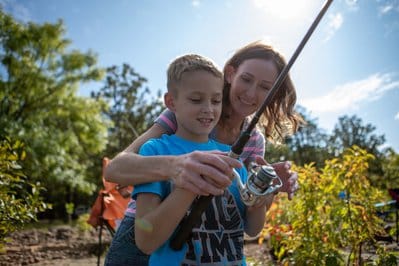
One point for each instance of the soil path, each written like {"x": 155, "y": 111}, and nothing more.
{"x": 68, "y": 246}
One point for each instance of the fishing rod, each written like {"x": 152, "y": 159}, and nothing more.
{"x": 260, "y": 181}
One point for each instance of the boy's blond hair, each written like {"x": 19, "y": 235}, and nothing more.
{"x": 187, "y": 64}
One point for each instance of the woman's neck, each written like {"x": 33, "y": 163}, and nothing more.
{"x": 229, "y": 128}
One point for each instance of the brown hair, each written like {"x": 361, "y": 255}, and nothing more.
{"x": 279, "y": 118}
{"x": 186, "y": 64}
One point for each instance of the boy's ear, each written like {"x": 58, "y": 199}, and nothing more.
{"x": 229, "y": 73}
{"x": 169, "y": 101}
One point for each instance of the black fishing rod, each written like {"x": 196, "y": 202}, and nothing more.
{"x": 202, "y": 203}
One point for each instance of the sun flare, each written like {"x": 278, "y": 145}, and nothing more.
{"x": 288, "y": 9}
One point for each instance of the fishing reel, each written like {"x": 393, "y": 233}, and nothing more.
{"x": 260, "y": 182}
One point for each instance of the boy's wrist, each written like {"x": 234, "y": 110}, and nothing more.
{"x": 186, "y": 193}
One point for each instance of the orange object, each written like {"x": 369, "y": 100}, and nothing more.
{"x": 110, "y": 204}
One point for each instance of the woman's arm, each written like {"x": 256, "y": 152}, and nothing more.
{"x": 156, "y": 220}
{"x": 187, "y": 171}
{"x": 128, "y": 168}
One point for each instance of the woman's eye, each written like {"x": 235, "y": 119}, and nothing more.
{"x": 245, "y": 79}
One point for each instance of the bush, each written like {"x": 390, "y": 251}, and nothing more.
{"x": 332, "y": 212}
{"x": 20, "y": 199}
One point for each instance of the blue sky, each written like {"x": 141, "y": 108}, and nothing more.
{"x": 349, "y": 66}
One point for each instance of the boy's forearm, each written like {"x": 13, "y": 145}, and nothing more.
{"x": 256, "y": 216}
{"x": 128, "y": 168}
{"x": 163, "y": 220}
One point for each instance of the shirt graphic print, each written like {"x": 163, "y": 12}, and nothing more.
{"x": 219, "y": 238}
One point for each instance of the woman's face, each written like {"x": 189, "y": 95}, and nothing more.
{"x": 250, "y": 84}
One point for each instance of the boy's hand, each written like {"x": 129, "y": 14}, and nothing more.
{"x": 204, "y": 173}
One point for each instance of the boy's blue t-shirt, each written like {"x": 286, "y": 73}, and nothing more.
{"x": 219, "y": 239}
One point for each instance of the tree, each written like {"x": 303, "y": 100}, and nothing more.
{"x": 390, "y": 167}
{"x": 132, "y": 109}
{"x": 62, "y": 132}
{"x": 307, "y": 145}
{"x": 350, "y": 131}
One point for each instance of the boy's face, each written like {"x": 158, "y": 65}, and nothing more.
{"x": 197, "y": 105}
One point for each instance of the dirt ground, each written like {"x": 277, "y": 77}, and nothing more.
{"x": 68, "y": 246}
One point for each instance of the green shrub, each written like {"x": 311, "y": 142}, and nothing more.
{"x": 331, "y": 217}
{"x": 20, "y": 199}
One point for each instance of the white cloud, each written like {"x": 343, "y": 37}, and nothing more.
{"x": 385, "y": 9}
{"x": 195, "y": 3}
{"x": 287, "y": 9}
{"x": 397, "y": 116}
{"x": 17, "y": 10}
{"x": 388, "y": 6}
{"x": 388, "y": 10}
{"x": 352, "y": 5}
{"x": 348, "y": 96}
{"x": 334, "y": 23}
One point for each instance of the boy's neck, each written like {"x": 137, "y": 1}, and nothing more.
{"x": 192, "y": 137}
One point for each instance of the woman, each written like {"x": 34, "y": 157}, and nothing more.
{"x": 248, "y": 77}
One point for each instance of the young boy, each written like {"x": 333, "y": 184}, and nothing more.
{"x": 195, "y": 92}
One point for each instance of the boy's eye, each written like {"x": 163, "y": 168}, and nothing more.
{"x": 195, "y": 100}
{"x": 216, "y": 101}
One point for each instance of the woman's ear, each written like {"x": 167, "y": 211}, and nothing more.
{"x": 169, "y": 101}
{"x": 229, "y": 73}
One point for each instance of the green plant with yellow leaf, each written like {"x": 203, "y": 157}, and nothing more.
{"x": 332, "y": 217}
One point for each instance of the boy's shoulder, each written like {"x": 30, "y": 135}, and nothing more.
{"x": 172, "y": 143}
{"x": 220, "y": 146}
{"x": 151, "y": 146}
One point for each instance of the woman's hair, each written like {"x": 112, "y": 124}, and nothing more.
{"x": 279, "y": 118}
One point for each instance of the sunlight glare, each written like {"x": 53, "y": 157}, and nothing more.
{"x": 288, "y": 9}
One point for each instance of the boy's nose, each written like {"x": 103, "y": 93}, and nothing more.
{"x": 206, "y": 108}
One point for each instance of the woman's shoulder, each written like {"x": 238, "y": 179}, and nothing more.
{"x": 167, "y": 120}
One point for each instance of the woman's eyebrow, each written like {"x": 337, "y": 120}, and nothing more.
{"x": 264, "y": 80}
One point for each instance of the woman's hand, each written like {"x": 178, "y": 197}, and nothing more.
{"x": 204, "y": 173}
{"x": 288, "y": 177}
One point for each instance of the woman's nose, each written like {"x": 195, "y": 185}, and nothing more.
{"x": 251, "y": 91}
